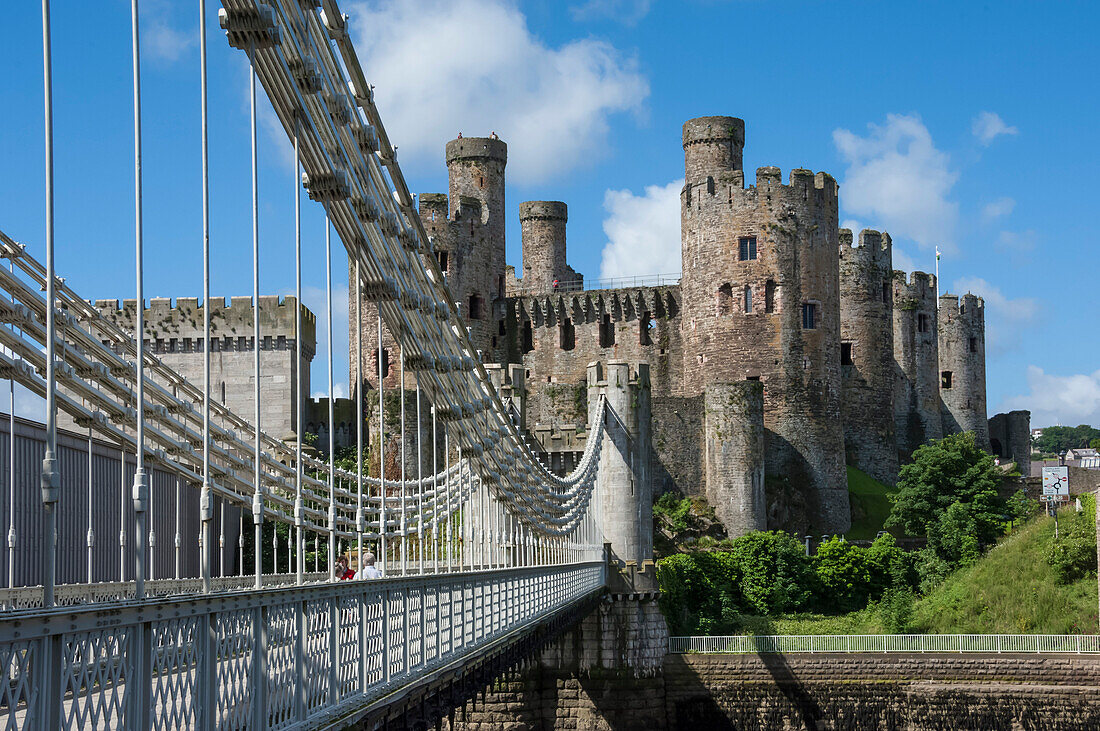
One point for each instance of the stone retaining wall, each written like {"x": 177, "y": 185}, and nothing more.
{"x": 820, "y": 691}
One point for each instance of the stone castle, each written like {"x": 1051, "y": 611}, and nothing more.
{"x": 788, "y": 349}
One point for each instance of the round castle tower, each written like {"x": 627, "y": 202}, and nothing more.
{"x": 962, "y": 365}
{"x": 760, "y": 292}
{"x": 916, "y": 353}
{"x": 467, "y": 232}
{"x": 542, "y": 228}
{"x": 734, "y": 455}
{"x": 867, "y": 353}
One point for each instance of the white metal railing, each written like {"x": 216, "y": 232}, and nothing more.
{"x": 280, "y": 658}
{"x": 743, "y": 644}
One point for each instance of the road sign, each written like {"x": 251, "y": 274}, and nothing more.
{"x": 1056, "y": 481}
{"x": 1054, "y": 498}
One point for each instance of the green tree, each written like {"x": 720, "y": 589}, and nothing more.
{"x": 1057, "y": 438}
{"x": 944, "y": 472}
{"x": 1094, "y": 443}
{"x": 776, "y": 575}
{"x": 1073, "y": 554}
{"x": 843, "y": 574}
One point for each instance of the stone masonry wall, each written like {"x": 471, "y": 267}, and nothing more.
{"x": 734, "y": 450}
{"x": 803, "y": 691}
{"x": 962, "y": 366}
{"x": 676, "y": 459}
{"x": 867, "y": 353}
{"x": 744, "y": 317}
{"x": 174, "y": 333}
{"x": 1010, "y": 439}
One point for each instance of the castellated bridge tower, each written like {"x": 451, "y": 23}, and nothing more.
{"x": 542, "y": 227}
{"x": 624, "y": 489}
{"x": 467, "y": 232}
{"x": 867, "y": 353}
{"x": 916, "y": 356}
{"x": 761, "y": 298}
{"x": 962, "y": 365}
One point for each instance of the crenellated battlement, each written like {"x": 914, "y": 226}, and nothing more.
{"x": 968, "y": 306}
{"x": 804, "y": 188}
{"x": 618, "y": 304}
{"x": 915, "y": 285}
{"x": 543, "y": 210}
{"x": 872, "y": 249}
{"x": 184, "y": 317}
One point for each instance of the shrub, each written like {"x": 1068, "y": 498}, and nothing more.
{"x": 776, "y": 574}
{"x": 1073, "y": 554}
{"x": 843, "y": 576}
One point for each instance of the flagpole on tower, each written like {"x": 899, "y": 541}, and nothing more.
{"x": 937, "y": 274}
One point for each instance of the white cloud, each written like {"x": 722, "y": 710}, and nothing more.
{"x": 902, "y": 262}
{"x": 897, "y": 176}
{"x": 987, "y": 126}
{"x": 627, "y": 12}
{"x": 1017, "y": 241}
{"x": 998, "y": 208}
{"x": 159, "y": 38}
{"x": 643, "y": 231}
{"x": 1052, "y": 399}
{"x": 854, "y": 226}
{"x": 1005, "y": 319}
{"x": 447, "y": 66}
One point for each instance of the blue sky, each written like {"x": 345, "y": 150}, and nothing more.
{"x": 962, "y": 125}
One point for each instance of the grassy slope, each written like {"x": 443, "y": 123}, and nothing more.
{"x": 873, "y": 500}
{"x": 1011, "y": 590}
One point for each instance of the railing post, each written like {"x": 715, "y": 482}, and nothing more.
{"x": 333, "y": 649}
{"x": 259, "y": 667}
{"x": 208, "y": 673}
{"x": 386, "y": 636}
{"x": 49, "y": 680}
{"x": 300, "y": 659}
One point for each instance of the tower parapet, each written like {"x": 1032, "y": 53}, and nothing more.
{"x": 867, "y": 353}
{"x": 713, "y": 147}
{"x": 760, "y": 291}
{"x": 962, "y": 365}
{"x": 916, "y": 356}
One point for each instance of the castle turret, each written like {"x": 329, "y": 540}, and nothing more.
{"x": 542, "y": 227}
{"x": 962, "y": 365}
{"x": 760, "y": 291}
{"x": 916, "y": 357}
{"x": 712, "y": 147}
{"x": 734, "y": 454}
{"x": 867, "y": 353}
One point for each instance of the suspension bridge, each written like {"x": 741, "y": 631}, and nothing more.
{"x": 484, "y": 551}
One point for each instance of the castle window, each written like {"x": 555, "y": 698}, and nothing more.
{"x": 441, "y": 257}
{"x": 922, "y": 322}
{"x": 945, "y": 380}
{"x": 528, "y": 339}
{"x": 748, "y": 300}
{"x": 645, "y": 325}
{"x": 607, "y": 332}
{"x": 886, "y": 292}
{"x": 973, "y": 345}
{"x": 481, "y": 181}
{"x": 500, "y": 328}
{"x": 725, "y": 299}
{"x": 746, "y": 248}
{"x": 753, "y": 378}
{"x": 223, "y": 393}
{"x": 474, "y": 311}
{"x": 567, "y": 335}
{"x": 809, "y": 315}
{"x": 846, "y": 354}
{"x": 769, "y": 296}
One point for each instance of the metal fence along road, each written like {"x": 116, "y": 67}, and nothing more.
{"x": 745, "y": 644}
